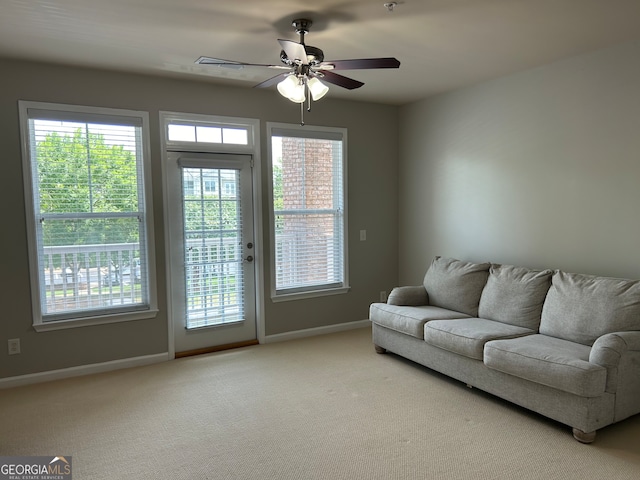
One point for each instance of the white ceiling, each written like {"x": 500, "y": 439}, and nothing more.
{"x": 441, "y": 44}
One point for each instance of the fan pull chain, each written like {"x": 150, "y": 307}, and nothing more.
{"x": 306, "y": 89}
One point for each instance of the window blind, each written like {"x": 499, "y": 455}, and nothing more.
{"x": 308, "y": 208}
{"x": 89, "y": 210}
{"x": 214, "y": 283}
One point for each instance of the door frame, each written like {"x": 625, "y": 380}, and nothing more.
{"x": 252, "y": 148}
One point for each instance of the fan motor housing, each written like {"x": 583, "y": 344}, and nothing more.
{"x": 315, "y": 56}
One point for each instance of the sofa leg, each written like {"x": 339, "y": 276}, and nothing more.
{"x": 380, "y": 349}
{"x": 583, "y": 437}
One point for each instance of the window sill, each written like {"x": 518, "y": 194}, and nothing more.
{"x": 286, "y": 297}
{"x": 89, "y": 321}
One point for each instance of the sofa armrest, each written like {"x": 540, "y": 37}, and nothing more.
{"x": 632, "y": 339}
{"x": 608, "y": 351}
{"x": 409, "y": 296}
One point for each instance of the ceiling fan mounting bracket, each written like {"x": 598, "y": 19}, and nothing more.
{"x": 302, "y": 25}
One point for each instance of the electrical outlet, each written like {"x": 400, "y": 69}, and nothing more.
{"x": 363, "y": 235}
{"x": 383, "y": 296}
{"x": 14, "y": 346}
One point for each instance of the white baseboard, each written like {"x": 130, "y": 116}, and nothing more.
{"x": 40, "y": 377}
{"x": 310, "y": 332}
{"x": 82, "y": 370}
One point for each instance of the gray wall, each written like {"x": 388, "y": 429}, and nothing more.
{"x": 373, "y": 197}
{"x": 540, "y": 169}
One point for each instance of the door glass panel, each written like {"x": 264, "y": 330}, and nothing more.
{"x": 213, "y": 247}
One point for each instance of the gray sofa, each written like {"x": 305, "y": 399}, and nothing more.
{"x": 564, "y": 345}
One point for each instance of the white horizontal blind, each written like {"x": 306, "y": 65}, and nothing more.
{"x": 213, "y": 246}
{"x": 308, "y": 203}
{"x": 89, "y": 210}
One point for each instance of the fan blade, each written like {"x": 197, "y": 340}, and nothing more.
{"x": 340, "y": 80}
{"x": 220, "y": 62}
{"x": 271, "y": 81}
{"x": 360, "y": 63}
{"x": 295, "y": 51}
{"x": 235, "y": 65}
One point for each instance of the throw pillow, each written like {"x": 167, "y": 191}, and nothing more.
{"x": 515, "y": 295}
{"x": 581, "y": 308}
{"x": 456, "y": 285}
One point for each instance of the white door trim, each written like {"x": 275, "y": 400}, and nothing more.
{"x": 253, "y": 149}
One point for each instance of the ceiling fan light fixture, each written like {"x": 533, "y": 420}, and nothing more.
{"x": 317, "y": 89}
{"x": 292, "y": 88}
{"x": 306, "y": 66}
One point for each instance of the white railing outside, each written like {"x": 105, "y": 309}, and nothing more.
{"x": 76, "y": 277}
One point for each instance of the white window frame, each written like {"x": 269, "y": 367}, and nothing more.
{"x": 307, "y": 131}
{"x": 197, "y": 120}
{"x": 85, "y": 113}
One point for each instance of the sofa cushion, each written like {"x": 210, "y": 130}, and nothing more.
{"x": 581, "y": 308}
{"x": 467, "y": 336}
{"x": 408, "y": 320}
{"x": 515, "y": 295}
{"x": 550, "y": 361}
{"x": 456, "y": 285}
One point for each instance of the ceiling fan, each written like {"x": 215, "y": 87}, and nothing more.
{"x": 306, "y": 68}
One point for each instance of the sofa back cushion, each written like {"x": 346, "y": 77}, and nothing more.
{"x": 515, "y": 295}
{"x": 581, "y": 308}
{"x": 456, "y": 285}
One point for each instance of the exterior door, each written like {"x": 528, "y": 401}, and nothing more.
{"x": 212, "y": 249}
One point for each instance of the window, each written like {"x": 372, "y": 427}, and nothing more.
{"x": 308, "y": 211}
{"x": 210, "y": 185}
{"x": 189, "y": 187}
{"x": 88, "y": 222}
{"x": 229, "y": 188}
{"x": 177, "y": 132}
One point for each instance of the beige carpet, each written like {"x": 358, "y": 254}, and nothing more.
{"x": 326, "y": 407}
